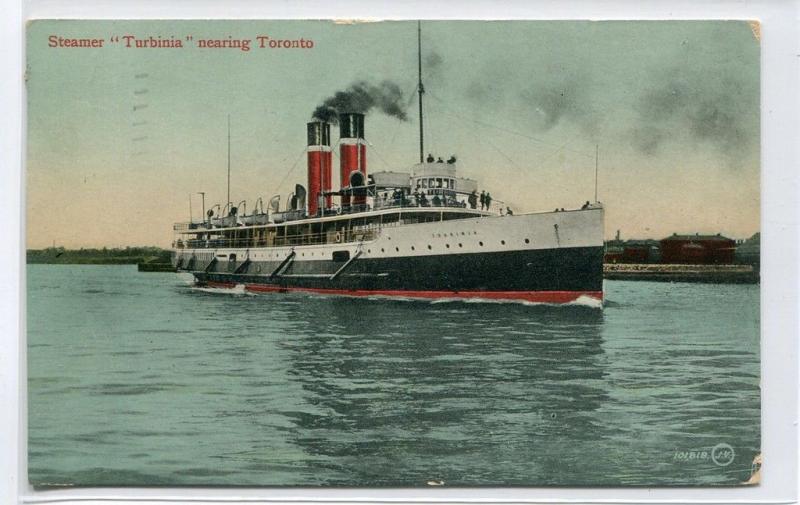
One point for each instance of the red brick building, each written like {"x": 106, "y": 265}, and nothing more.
{"x": 632, "y": 251}
{"x": 698, "y": 249}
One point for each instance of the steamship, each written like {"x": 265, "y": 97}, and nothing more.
{"x": 416, "y": 234}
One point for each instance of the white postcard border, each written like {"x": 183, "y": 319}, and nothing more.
{"x": 779, "y": 296}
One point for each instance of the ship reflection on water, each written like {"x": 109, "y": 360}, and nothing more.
{"x": 462, "y": 393}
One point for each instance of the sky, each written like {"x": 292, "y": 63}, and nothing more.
{"x": 121, "y": 140}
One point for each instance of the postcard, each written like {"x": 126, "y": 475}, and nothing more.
{"x": 393, "y": 254}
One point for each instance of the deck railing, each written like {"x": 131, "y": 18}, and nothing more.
{"x": 337, "y": 237}
{"x": 408, "y": 202}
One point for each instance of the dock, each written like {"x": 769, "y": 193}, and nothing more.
{"x": 155, "y": 267}
{"x": 719, "y": 274}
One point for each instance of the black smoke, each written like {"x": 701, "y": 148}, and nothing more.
{"x": 543, "y": 98}
{"x": 553, "y": 102}
{"x": 362, "y": 97}
{"x": 432, "y": 66}
{"x": 712, "y": 114}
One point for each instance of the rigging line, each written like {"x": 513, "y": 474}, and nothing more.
{"x": 374, "y": 150}
{"x": 291, "y": 170}
{"x": 408, "y": 104}
{"x": 507, "y": 130}
{"x": 491, "y": 144}
{"x": 504, "y": 155}
{"x": 430, "y": 138}
{"x": 546, "y": 158}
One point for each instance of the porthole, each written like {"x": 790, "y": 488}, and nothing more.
{"x": 502, "y": 242}
{"x": 369, "y": 251}
{"x": 480, "y": 244}
{"x": 447, "y": 246}
{"x": 460, "y": 244}
{"x": 412, "y": 247}
{"x": 429, "y": 246}
{"x": 382, "y": 249}
{"x": 527, "y": 241}
{"x": 397, "y": 249}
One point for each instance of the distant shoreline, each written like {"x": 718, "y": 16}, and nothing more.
{"x": 104, "y": 256}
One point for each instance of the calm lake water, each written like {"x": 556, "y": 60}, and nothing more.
{"x": 141, "y": 379}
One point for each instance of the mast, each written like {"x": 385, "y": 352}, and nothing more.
{"x": 421, "y": 90}
{"x": 596, "y": 158}
{"x": 229, "y": 160}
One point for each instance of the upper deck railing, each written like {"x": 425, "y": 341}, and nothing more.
{"x": 338, "y": 237}
{"x": 497, "y": 207}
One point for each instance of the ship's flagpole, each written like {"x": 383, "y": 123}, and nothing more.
{"x": 229, "y": 161}
{"x": 596, "y": 162}
{"x": 421, "y": 90}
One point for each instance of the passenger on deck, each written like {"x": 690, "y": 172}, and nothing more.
{"x": 440, "y": 160}
{"x": 483, "y": 200}
{"x": 422, "y": 200}
{"x": 509, "y": 212}
{"x": 451, "y": 160}
{"x": 488, "y": 200}
{"x": 473, "y": 199}
{"x": 437, "y": 202}
{"x": 429, "y": 159}
{"x": 585, "y": 205}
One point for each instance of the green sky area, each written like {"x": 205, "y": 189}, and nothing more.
{"x": 119, "y": 138}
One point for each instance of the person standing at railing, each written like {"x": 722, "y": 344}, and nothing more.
{"x": 473, "y": 199}
{"x": 483, "y": 200}
{"x": 488, "y": 200}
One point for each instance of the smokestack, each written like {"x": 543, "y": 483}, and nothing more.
{"x": 319, "y": 166}
{"x": 353, "y": 157}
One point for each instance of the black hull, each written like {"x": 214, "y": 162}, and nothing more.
{"x": 578, "y": 270}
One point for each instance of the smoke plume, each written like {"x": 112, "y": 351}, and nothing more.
{"x": 553, "y": 102}
{"x": 710, "y": 114}
{"x": 362, "y": 97}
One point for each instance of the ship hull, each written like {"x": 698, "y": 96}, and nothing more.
{"x": 544, "y": 258}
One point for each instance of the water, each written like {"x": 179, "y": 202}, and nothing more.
{"x": 141, "y": 379}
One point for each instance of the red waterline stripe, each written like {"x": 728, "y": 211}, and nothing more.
{"x": 528, "y": 296}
